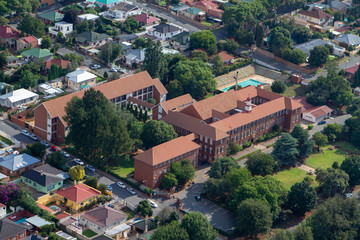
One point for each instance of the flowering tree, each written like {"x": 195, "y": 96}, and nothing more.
{"x": 8, "y": 192}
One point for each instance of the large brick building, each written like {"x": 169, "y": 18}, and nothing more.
{"x": 49, "y": 122}
{"x": 235, "y": 117}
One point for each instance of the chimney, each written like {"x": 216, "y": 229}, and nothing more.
{"x": 41, "y": 172}
{"x": 248, "y": 106}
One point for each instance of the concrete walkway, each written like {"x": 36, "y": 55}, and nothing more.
{"x": 258, "y": 146}
{"x": 307, "y": 168}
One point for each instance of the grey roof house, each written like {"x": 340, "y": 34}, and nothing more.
{"x": 136, "y": 56}
{"x": 89, "y": 38}
{"x": 339, "y": 6}
{"x": 164, "y": 31}
{"x": 347, "y": 40}
{"x": 308, "y": 46}
{"x": 180, "y": 41}
{"x": 14, "y": 165}
{"x": 12, "y": 230}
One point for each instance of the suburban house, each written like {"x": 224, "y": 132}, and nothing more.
{"x": 136, "y": 56}
{"x": 151, "y": 165}
{"x": 211, "y": 8}
{"x": 91, "y": 39}
{"x": 12, "y": 60}
{"x": 107, "y": 3}
{"x": 348, "y": 40}
{"x": 51, "y": 16}
{"x": 226, "y": 58}
{"x": 350, "y": 72}
{"x": 2, "y": 211}
{"x": 18, "y": 98}
{"x": 234, "y": 116}
{"x": 49, "y": 122}
{"x": 49, "y": 90}
{"x": 336, "y": 5}
{"x": 44, "y": 179}
{"x": 310, "y": 45}
{"x": 10, "y": 230}
{"x": 26, "y": 42}
{"x": 175, "y": 104}
{"x": 88, "y": 16}
{"x": 63, "y": 27}
{"x": 102, "y": 218}
{"x": 46, "y": 3}
{"x": 58, "y": 62}
{"x": 8, "y": 36}
{"x": 164, "y": 31}
{"x": 192, "y": 12}
{"x": 123, "y": 10}
{"x": 180, "y": 41}
{"x": 14, "y": 165}
{"x": 316, "y": 16}
{"x": 80, "y": 79}
{"x": 36, "y": 54}
{"x": 127, "y": 37}
{"x": 313, "y": 113}
{"x": 76, "y": 196}
{"x": 146, "y": 20}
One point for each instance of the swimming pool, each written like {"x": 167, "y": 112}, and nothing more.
{"x": 21, "y": 220}
{"x": 55, "y": 208}
{"x": 243, "y": 84}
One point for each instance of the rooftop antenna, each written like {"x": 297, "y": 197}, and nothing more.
{"x": 236, "y": 80}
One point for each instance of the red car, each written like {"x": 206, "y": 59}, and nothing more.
{"x": 55, "y": 148}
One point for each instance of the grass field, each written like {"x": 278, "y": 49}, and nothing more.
{"x": 207, "y": 24}
{"x": 292, "y": 176}
{"x": 347, "y": 146}
{"x": 6, "y": 140}
{"x": 125, "y": 167}
{"x": 88, "y": 233}
{"x": 99, "y": 79}
{"x": 294, "y": 90}
{"x": 326, "y": 159}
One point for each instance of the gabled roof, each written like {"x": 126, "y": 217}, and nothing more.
{"x": 128, "y": 37}
{"x": 146, "y": 18}
{"x": 8, "y": 32}
{"x": 123, "y": 6}
{"x": 90, "y": 37}
{"x": 352, "y": 70}
{"x": 168, "y": 150}
{"x": 316, "y": 13}
{"x": 52, "y": 16}
{"x": 336, "y": 4}
{"x": 104, "y": 216}
{"x": 42, "y": 178}
{"x": 37, "y": 53}
{"x": 138, "y": 54}
{"x": 349, "y": 39}
{"x": 310, "y": 45}
{"x": 178, "y": 103}
{"x": 78, "y": 193}
{"x": 15, "y": 162}
{"x": 194, "y": 11}
{"x": 29, "y": 39}
{"x": 182, "y": 38}
{"x": 80, "y": 75}
{"x": 166, "y": 28}
{"x": 206, "y": 4}
{"x": 9, "y": 229}
{"x": 58, "y": 62}
{"x": 18, "y": 95}
{"x": 225, "y": 56}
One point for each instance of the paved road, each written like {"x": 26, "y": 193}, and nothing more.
{"x": 14, "y": 131}
{"x": 339, "y": 120}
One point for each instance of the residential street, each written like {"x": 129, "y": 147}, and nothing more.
{"x": 13, "y": 131}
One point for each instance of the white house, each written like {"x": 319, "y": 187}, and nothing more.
{"x": 63, "y": 27}
{"x": 2, "y": 211}
{"x": 313, "y": 113}
{"x": 123, "y": 10}
{"x": 88, "y": 16}
{"x": 80, "y": 79}
{"x": 17, "y": 98}
{"x": 49, "y": 90}
{"x": 164, "y": 31}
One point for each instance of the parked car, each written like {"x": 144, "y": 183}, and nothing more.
{"x": 65, "y": 154}
{"x": 10, "y": 150}
{"x": 78, "y": 161}
{"x": 136, "y": 220}
{"x": 111, "y": 205}
{"x": 91, "y": 168}
{"x": 348, "y": 195}
{"x": 130, "y": 190}
{"x": 321, "y": 122}
{"x": 109, "y": 187}
{"x": 152, "y": 203}
{"x": 45, "y": 143}
{"x": 55, "y": 148}
{"x": 120, "y": 184}
{"x": 25, "y": 132}
{"x": 34, "y": 137}
{"x": 198, "y": 198}
{"x": 113, "y": 70}
{"x": 94, "y": 66}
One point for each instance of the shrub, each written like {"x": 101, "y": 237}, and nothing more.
{"x": 247, "y": 144}
{"x": 233, "y": 149}
{"x": 310, "y": 126}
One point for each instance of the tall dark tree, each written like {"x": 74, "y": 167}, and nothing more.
{"x": 351, "y": 165}
{"x": 71, "y": 16}
{"x": 318, "y": 56}
{"x": 198, "y": 227}
{"x": 260, "y": 164}
{"x": 301, "y": 34}
{"x": 260, "y": 34}
{"x": 172, "y": 231}
{"x": 278, "y": 86}
{"x": 110, "y": 52}
{"x": 302, "y": 198}
{"x": 154, "y": 62}
{"x": 332, "y": 181}
{"x": 183, "y": 171}
{"x": 305, "y": 145}
{"x": 32, "y": 25}
{"x": 285, "y": 150}
{"x": 204, "y": 40}
{"x": 157, "y": 132}
{"x": 303, "y": 232}
{"x": 222, "y": 166}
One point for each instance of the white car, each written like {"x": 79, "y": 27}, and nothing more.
{"x": 65, "y": 154}
{"x": 34, "y": 137}
{"x": 130, "y": 190}
{"x": 10, "y": 150}
{"x": 120, "y": 184}
{"x": 91, "y": 168}
{"x": 25, "y": 132}
{"x": 78, "y": 161}
{"x": 152, "y": 203}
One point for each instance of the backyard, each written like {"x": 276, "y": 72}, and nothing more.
{"x": 294, "y": 175}
{"x": 88, "y": 233}
{"x": 124, "y": 167}
{"x": 326, "y": 158}
{"x": 294, "y": 90}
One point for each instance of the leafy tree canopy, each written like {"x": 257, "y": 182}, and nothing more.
{"x": 222, "y": 166}
{"x": 302, "y": 198}
{"x": 198, "y": 227}
{"x": 260, "y": 164}
{"x": 157, "y": 132}
{"x": 332, "y": 181}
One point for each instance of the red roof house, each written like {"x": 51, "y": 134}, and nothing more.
{"x": 8, "y": 36}
{"x": 25, "y": 42}
{"x": 313, "y": 113}
{"x": 146, "y": 19}
{"x": 350, "y": 72}
{"x": 58, "y": 62}
{"x": 226, "y": 58}
{"x": 211, "y": 8}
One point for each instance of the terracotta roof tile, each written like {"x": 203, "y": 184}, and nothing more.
{"x": 62, "y": 215}
{"x": 58, "y": 62}
{"x": 316, "y": 13}
{"x": 320, "y": 111}
{"x": 104, "y": 216}
{"x": 225, "y": 57}
{"x": 146, "y": 18}
{"x": 177, "y": 103}
{"x": 352, "y": 70}
{"x": 8, "y": 32}
{"x": 78, "y": 193}
{"x": 167, "y": 150}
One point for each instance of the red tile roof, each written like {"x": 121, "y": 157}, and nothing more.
{"x": 316, "y": 13}
{"x": 29, "y": 39}
{"x": 168, "y": 150}
{"x": 320, "y": 111}
{"x": 104, "y": 216}
{"x": 145, "y": 18}
{"x": 352, "y": 70}
{"x": 177, "y": 103}
{"x": 206, "y": 4}
{"x": 8, "y": 32}
{"x": 78, "y": 193}
{"x": 45, "y": 208}
{"x": 62, "y": 215}
{"x": 58, "y": 62}
{"x": 225, "y": 57}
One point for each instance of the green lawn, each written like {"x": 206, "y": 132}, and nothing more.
{"x": 6, "y": 140}
{"x": 292, "y": 176}
{"x": 130, "y": 214}
{"x": 88, "y": 233}
{"x": 162, "y": 3}
{"x": 124, "y": 168}
{"x": 347, "y": 146}
{"x": 99, "y": 79}
{"x": 326, "y": 159}
{"x": 207, "y": 24}
{"x": 294, "y": 90}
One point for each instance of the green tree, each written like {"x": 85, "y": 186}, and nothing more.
{"x": 3, "y": 61}
{"x": 28, "y": 79}
{"x": 332, "y": 181}
{"x": 167, "y": 215}
{"x": 281, "y": 234}
{"x": 57, "y": 160}
{"x": 222, "y": 166}
{"x": 305, "y": 145}
{"x": 302, "y": 198}
{"x": 204, "y": 40}
{"x": 285, "y": 150}
{"x": 198, "y": 227}
{"x": 46, "y": 42}
{"x": 298, "y": 56}
{"x": 144, "y": 209}
{"x": 318, "y": 56}
{"x": 217, "y": 188}
{"x": 110, "y": 52}
{"x": 303, "y": 232}
{"x": 333, "y": 130}
{"x": 102, "y": 188}
{"x": 140, "y": 43}
{"x": 154, "y": 62}
{"x": 37, "y": 149}
{"x": 237, "y": 177}
{"x": 199, "y": 56}
{"x": 169, "y": 181}
{"x": 320, "y": 139}
{"x": 71, "y": 16}
{"x": 351, "y": 165}
{"x": 259, "y": 35}
{"x": 157, "y": 132}
{"x": 184, "y": 171}
{"x": 301, "y": 34}
{"x": 77, "y": 172}
{"x": 260, "y": 164}
{"x": 32, "y": 26}
{"x": 231, "y": 46}
{"x": 254, "y": 217}
{"x": 172, "y": 231}
{"x": 83, "y": 26}
{"x": 279, "y": 40}
{"x": 278, "y": 86}
{"x": 92, "y": 181}
{"x": 336, "y": 219}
